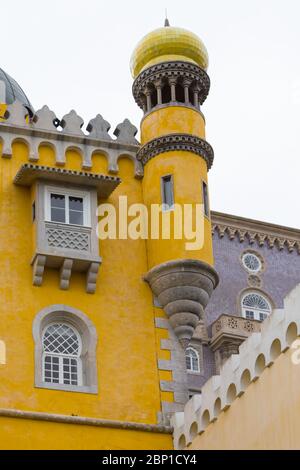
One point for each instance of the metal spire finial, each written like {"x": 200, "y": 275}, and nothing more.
{"x": 167, "y": 23}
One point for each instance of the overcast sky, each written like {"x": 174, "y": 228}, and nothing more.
{"x": 74, "y": 54}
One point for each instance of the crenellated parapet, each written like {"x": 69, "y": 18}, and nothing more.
{"x": 44, "y": 128}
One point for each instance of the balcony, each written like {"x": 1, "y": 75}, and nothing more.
{"x": 64, "y": 245}
{"x": 228, "y": 332}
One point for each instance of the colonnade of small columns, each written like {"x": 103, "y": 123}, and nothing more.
{"x": 171, "y": 90}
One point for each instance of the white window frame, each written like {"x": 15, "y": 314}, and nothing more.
{"x": 166, "y": 207}
{"x": 205, "y": 199}
{"x": 256, "y": 311}
{"x": 85, "y": 195}
{"x": 61, "y": 357}
{"x": 193, "y": 371}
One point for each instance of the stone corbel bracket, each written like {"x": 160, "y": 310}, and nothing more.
{"x": 183, "y": 287}
{"x": 42, "y": 130}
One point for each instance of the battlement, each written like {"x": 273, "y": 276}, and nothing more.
{"x": 44, "y": 128}
{"x": 259, "y": 351}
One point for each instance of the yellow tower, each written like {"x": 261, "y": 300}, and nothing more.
{"x": 170, "y": 83}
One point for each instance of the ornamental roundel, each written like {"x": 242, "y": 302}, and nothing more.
{"x": 252, "y": 262}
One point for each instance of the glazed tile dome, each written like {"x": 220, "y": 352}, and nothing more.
{"x": 167, "y": 44}
{"x": 10, "y": 91}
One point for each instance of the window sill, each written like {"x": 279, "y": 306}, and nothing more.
{"x": 68, "y": 388}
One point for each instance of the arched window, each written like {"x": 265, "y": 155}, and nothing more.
{"x": 65, "y": 350}
{"x": 192, "y": 360}
{"x": 255, "y": 306}
{"x": 61, "y": 355}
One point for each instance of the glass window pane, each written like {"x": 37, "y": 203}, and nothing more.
{"x": 76, "y": 203}
{"x": 249, "y": 315}
{"x": 167, "y": 190}
{"x": 205, "y": 198}
{"x": 58, "y": 200}
{"x": 76, "y": 217}
{"x": 58, "y": 215}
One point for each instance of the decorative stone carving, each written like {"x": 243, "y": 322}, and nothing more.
{"x": 183, "y": 288}
{"x": 261, "y": 238}
{"x": 291, "y": 244}
{"x": 91, "y": 278}
{"x": 221, "y": 229}
{"x": 42, "y": 131}
{"x": 271, "y": 240}
{"x": 248, "y": 326}
{"x": 98, "y": 128}
{"x": 231, "y": 231}
{"x": 65, "y": 273}
{"x": 70, "y": 239}
{"x": 28, "y": 173}
{"x": 72, "y": 123}
{"x": 241, "y": 234}
{"x": 281, "y": 242}
{"x": 252, "y": 236}
{"x": 173, "y": 142}
{"x": 16, "y": 113}
{"x": 254, "y": 281}
{"x": 46, "y": 119}
{"x": 232, "y": 323}
{"x": 38, "y": 270}
{"x": 126, "y": 132}
{"x": 228, "y": 333}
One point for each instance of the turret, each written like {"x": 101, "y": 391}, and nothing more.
{"x": 170, "y": 83}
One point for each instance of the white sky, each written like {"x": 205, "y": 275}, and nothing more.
{"x": 73, "y": 54}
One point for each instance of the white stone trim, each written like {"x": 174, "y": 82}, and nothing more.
{"x": 41, "y": 131}
{"x": 88, "y": 333}
{"x": 84, "y": 421}
{"x": 68, "y": 192}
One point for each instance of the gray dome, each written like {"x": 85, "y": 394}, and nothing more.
{"x": 10, "y": 91}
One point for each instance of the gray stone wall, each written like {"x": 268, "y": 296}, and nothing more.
{"x": 280, "y": 275}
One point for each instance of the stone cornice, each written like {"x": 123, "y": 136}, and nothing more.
{"x": 28, "y": 173}
{"x": 175, "y": 142}
{"x": 254, "y": 231}
{"x": 84, "y": 421}
{"x": 168, "y": 70}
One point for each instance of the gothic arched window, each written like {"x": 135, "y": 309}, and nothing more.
{"x": 255, "y": 306}
{"x": 192, "y": 360}
{"x": 61, "y": 355}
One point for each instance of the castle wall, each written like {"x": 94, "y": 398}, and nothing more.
{"x": 121, "y": 310}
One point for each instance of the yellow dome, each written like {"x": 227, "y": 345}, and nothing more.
{"x": 167, "y": 44}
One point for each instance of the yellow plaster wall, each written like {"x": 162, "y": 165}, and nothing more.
{"x": 266, "y": 416}
{"x": 121, "y": 310}
{"x": 188, "y": 171}
{"x": 21, "y": 434}
{"x": 170, "y": 120}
